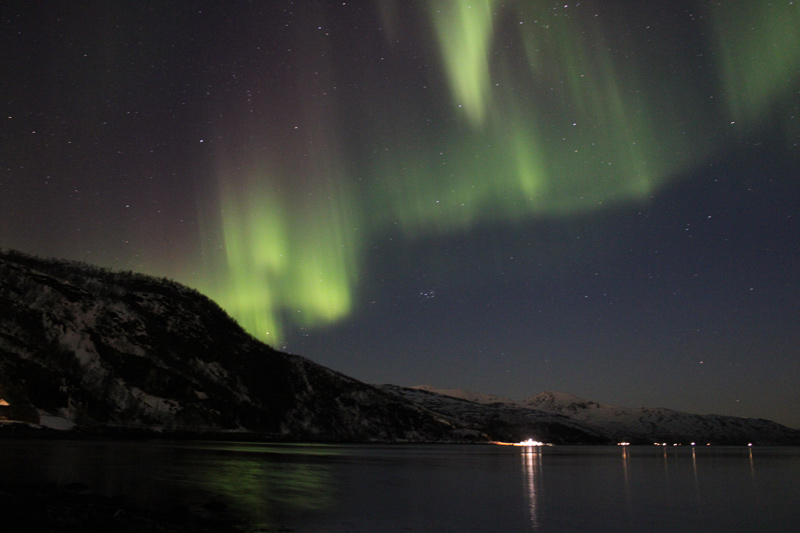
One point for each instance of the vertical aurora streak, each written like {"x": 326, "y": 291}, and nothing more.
{"x": 547, "y": 114}
{"x": 555, "y": 125}
{"x": 759, "y": 59}
{"x": 598, "y": 194}
{"x": 464, "y": 31}
{"x": 284, "y": 261}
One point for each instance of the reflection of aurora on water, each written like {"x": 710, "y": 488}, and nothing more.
{"x": 532, "y": 467}
{"x": 270, "y": 480}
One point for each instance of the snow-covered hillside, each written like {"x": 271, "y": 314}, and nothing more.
{"x": 100, "y": 349}
{"x": 83, "y": 347}
{"x": 498, "y": 421}
{"x": 643, "y": 424}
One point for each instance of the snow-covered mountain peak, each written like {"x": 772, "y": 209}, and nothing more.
{"x": 560, "y": 402}
{"x": 582, "y": 420}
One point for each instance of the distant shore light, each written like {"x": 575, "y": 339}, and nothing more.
{"x": 529, "y": 442}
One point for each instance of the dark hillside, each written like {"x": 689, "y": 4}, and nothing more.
{"x": 119, "y": 349}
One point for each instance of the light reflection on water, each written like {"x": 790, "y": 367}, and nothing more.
{"x": 626, "y": 476}
{"x": 435, "y": 488}
{"x": 694, "y": 473}
{"x": 255, "y": 488}
{"x": 261, "y": 484}
{"x": 532, "y": 466}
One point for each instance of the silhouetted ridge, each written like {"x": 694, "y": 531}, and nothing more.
{"x": 99, "y": 349}
{"x": 89, "y": 348}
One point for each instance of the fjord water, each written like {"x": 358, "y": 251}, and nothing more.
{"x": 434, "y": 488}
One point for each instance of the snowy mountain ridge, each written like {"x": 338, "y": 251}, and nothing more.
{"x": 642, "y": 424}
{"x": 94, "y": 350}
{"x": 90, "y": 348}
{"x": 561, "y": 402}
{"x": 501, "y": 421}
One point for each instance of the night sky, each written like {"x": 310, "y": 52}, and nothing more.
{"x": 505, "y": 196}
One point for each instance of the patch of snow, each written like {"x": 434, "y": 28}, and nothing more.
{"x": 81, "y": 345}
{"x": 212, "y": 369}
{"x": 155, "y": 403}
{"x": 60, "y": 423}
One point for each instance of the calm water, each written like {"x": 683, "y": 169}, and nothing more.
{"x": 437, "y": 487}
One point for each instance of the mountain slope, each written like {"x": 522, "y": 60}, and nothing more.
{"x": 611, "y": 423}
{"x": 662, "y": 425}
{"x": 125, "y": 350}
{"x": 85, "y": 346}
{"x": 506, "y": 422}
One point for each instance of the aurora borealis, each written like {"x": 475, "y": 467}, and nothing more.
{"x": 507, "y": 196}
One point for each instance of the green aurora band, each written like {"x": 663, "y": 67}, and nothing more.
{"x": 559, "y": 116}
{"x": 759, "y": 50}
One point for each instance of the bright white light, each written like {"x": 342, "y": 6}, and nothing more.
{"x": 529, "y": 442}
